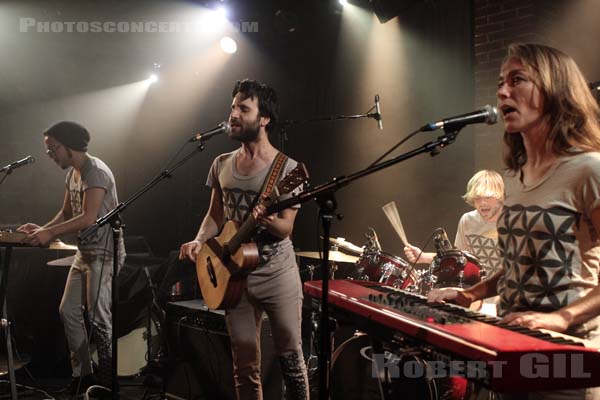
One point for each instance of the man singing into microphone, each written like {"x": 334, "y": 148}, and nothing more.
{"x": 90, "y": 193}
{"x": 476, "y": 231}
{"x": 274, "y": 286}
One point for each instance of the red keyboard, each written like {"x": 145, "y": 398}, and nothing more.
{"x": 507, "y": 358}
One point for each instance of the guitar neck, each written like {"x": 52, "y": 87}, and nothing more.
{"x": 243, "y": 234}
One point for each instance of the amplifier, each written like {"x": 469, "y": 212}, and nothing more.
{"x": 195, "y": 314}
{"x": 202, "y": 366}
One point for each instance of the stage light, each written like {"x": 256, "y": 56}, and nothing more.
{"x": 215, "y": 20}
{"x": 228, "y": 45}
{"x": 221, "y": 12}
{"x": 152, "y": 78}
{"x": 343, "y": 2}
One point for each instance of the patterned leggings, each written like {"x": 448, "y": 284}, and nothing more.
{"x": 89, "y": 285}
{"x": 281, "y": 298}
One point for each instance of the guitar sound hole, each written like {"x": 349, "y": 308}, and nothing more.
{"x": 211, "y": 272}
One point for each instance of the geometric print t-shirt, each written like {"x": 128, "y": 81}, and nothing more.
{"x": 238, "y": 195}
{"x": 550, "y": 249}
{"x": 479, "y": 238}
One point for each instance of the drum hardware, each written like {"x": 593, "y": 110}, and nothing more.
{"x": 441, "y": 242}
{"x": 332, "y": 269}
{"x": 427, "y": 281}
{"x": 335, "y": 257}
{"x": 311, "y": 271}
{"x": 372, "y": 244}
{"x": 312, "y": 361}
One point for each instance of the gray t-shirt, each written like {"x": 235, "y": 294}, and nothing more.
{"x": 479, "y": 238}
{"x": 94, "y": 174}
{"x": 239, "y": 193}
{"x": 550, "y": 249}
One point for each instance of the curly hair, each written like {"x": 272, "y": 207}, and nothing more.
{"x": 569, "y": 107}
{"x": 268, "y": 105}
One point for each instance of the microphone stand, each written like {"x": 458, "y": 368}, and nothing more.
{"x": 113, "y": 218}
{"x": 291, "y": 122}
{"x": 325, "y": 197}
{"x": 7, "y": 173}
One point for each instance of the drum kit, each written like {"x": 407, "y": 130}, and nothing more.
{"x": 450, "y": 268}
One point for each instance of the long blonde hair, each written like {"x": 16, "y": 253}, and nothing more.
{"x": 571, "y": 110}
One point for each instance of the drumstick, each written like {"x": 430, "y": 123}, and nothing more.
{"x": 391, "y": 212}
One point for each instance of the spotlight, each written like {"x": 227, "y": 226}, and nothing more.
{"x": 215, "y": 19}
{"x": 228, "y": 45}
{"x": 152, "y": 78}
{"x": 343, "y": 2}
{"x": 221, "y": 12}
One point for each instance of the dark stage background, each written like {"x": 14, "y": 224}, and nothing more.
{"x": 437, "y": 59}
{"x": 322, "y": 58}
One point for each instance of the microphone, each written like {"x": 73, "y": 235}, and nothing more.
{"x": 223, "y": 127}
{"x": 378, "y": 115}
{"x": 441, "y": 242}
{"x": 17, "y": 164}
{"x": 487, "y": 114}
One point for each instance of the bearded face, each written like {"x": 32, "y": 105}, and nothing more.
{"x": 244, "y": 119}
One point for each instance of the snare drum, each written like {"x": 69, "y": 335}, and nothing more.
{"x": 456, "y": 268}
{"x": 385, "y": 268}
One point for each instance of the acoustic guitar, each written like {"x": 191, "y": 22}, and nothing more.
{"x": 225, "y": 261}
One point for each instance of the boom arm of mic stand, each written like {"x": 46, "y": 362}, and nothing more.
{"x": 341, "y": 181}
{"x": 166, "y": 173}
{"x": 291, "y": 122}
{"x": 287, "y": 123}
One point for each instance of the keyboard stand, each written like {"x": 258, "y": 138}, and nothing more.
{"x": 4, "y": 322}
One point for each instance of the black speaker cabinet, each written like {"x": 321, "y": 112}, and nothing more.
{"x": 201, "y": 352}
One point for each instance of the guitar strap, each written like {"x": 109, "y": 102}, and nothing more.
{"x": 272, "y": 177}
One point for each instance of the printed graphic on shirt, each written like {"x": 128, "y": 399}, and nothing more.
{"x": 538, "y": 247}
{"x": 487, "y": 251}
{"x": 237, "y": 203}
{"x": 237, "y": 206}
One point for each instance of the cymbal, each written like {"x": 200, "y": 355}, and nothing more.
{"x": 61, "y": 262}
{"x": 17, "y": 364}
{"x": 336, "y": 256}
{"x": 345, "y": 245}
{"x": 59, "y": 245}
